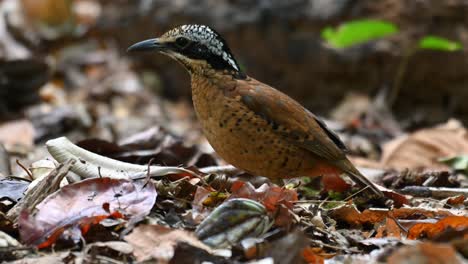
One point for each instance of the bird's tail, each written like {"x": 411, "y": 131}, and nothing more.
{"x": 357, "y": 177}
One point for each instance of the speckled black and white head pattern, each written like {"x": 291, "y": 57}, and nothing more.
{"x": 205, "y": 38}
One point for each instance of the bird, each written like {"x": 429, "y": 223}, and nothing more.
{"x": 250, "y": 124}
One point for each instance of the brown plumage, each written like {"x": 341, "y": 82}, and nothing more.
{"x": 250, "y": 124}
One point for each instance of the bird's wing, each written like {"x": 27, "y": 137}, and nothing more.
{"x": 289, "y": 118}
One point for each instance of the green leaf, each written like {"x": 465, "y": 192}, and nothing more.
{"x": 357, "y": 32}
{"x": 438, "y": 43}
{"x": 459, "y": 163}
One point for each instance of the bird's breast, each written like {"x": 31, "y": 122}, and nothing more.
{"x": 241, "y": 137}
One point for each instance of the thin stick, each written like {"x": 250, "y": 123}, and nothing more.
{"x": 26, "y": 170}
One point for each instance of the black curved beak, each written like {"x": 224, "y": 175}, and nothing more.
{"x": 147, "y": 45}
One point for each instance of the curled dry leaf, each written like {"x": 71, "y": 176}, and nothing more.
{"x": 430, "y": 230}
{"x": 233, "y": 221}
{"x": 155, "y": 242}
{"x": 83, "y": 204}
{"x": 92, "y": 165}
{"x": 276, "y": 200}
{"x": 425, "y": 147}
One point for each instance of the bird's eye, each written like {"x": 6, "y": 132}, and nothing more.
{"x": 182, "y": 42}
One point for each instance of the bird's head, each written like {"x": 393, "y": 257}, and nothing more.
{"x": 193, "y": 46}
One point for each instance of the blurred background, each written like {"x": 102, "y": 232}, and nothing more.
{"x": 64, "y": 69}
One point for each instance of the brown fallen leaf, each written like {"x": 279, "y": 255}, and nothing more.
{"x": 84, "y": 204}
{"x": 275, "y": 199}
{"x": 430, "y": 230}
{"x": 425, "y": 253}
{"x": 425, "y": 147}
{"x": 389, "y": 229}
{"x": 111, "y": 249}
{"x": 155, "y": 242}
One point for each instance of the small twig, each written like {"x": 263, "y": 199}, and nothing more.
{"x": 28, "y": 172}
{"x": 323, "y": 202}
{"x": 148, "y": 174}
{"x": 339, "y": 248}
{"x": 356, "y": 193}
{"x": 99, "y": 171}
{"x": 318, "y": 201}
{"x": 390, "y": 215}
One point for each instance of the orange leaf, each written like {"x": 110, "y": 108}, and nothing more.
{"x": 311, "y": 256}
{"x": 430, "y": 230}
{"x": 456, "y": 200}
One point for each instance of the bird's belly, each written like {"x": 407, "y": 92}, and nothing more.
{"x": 248, "y": 142}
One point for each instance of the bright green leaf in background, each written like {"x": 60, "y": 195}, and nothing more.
{"x": 459, "y": 163}
{"x": 357, "y": 32}
{"x": 438, "y": 43}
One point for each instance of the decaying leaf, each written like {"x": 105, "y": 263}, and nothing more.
{"x": 83, "y": 204}
{"x": 425, "y": 147}
{"x": 233, "y": 221}
{"x": 430, "y": 230}
{"x": 155, "y": 242}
